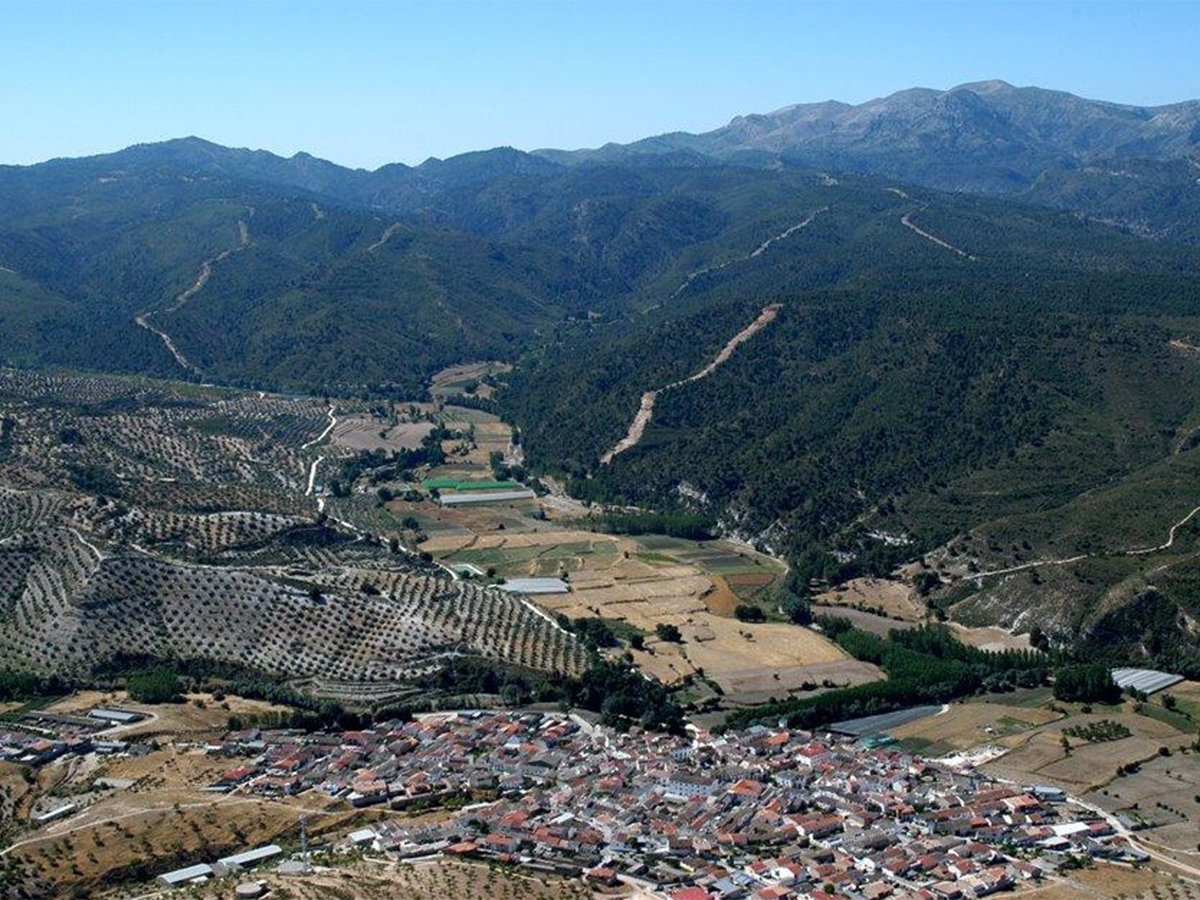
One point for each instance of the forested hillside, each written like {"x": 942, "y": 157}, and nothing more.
{"x": 904, "y": 398}
{"x": 958, "y": 378}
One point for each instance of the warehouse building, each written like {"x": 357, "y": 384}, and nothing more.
{"x": 241, "y": 861}
{"x": 191, "y": 874}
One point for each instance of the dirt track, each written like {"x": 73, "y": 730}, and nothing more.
{"x": 646, "y": 411}
{"x": 206, "y": 270}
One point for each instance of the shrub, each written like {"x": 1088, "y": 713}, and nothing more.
{"x": 668, "y": 632}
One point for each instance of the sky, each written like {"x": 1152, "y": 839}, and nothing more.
{"x": 365, "y": 84}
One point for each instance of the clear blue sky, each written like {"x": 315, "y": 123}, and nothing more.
{"x": 364, "y": 84}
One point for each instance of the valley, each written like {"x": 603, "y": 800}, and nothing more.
{"x": 764, "y": 513}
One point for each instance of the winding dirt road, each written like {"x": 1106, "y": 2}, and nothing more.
{"x": 1143, "y": 551}
{"x": 646, "y": 411}
{"x": 385, "y": 237}
{"x": 143, "y": 320}
{"x": 758, "y": 251}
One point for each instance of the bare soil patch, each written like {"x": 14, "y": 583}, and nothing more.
{"x": 1102, "y": 881}
{"x": 166, "y": 718}
{"x": 367, "y": 433}
{"x": 721, "y": 600}
{"x": 378, "y": 879}
{"x": 892, "y": 599}
{"x": 990, "y": 638}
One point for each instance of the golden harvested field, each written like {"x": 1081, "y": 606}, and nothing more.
{"x": 966, "y": 725}
{"x": 619, "y": 578}
{"x": 444, "y": 879}
{"x": 368, "y": 433}
{"x": 1040, "y": 755}
{"x": 893, "y": 598}
{"x": 751, "y": 661}
{"x": 1101, "y": 882}
{"x": 721, "y": 600}
{"x": 641, "y": 581}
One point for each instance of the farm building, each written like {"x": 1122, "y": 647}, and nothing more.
{"x": 536, "y": 586}
{"x": 116, "y": 716}
{"x": 200, "y": 872}
{"x": 58, "y": 813}
{"x": 245, "y": 860}
{"x": 461, "y": 499}
{"x": 872, "y": 725}
{"x": 1146, "y": 680}
{"x": 1048, "y": 793}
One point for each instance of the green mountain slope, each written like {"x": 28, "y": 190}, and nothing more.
{"x": 904, "y": 395}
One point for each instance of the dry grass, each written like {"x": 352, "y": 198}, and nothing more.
{"x": 164, "y": 820}
{"x": 1101, "y": 882}
{"x": 372, "y": 879}
{"x": 966, "y": 725}
{"x": 201, "y": 713}
{"x": 894, "y": 598}
{"x": 721, "y": 600}
{"x": 1040, "y": 755}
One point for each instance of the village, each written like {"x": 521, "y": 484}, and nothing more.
{"x": 764, "y": 814}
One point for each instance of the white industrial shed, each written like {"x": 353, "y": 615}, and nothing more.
{"x": 535, "y": 586}
{"x": 244, "y": 860}
{"x": 1145, "y": 680}
{"x": 468, "y": 497}
{"x": 185, "y": 876}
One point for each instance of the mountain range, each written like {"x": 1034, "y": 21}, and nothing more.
{"x": 986, "y": 311}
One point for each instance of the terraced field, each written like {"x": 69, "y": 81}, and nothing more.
{"x": 167, "y": 520}
{"x": 638, "y": 581}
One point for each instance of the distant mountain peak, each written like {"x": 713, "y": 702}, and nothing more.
{"x": 991, "y": 86}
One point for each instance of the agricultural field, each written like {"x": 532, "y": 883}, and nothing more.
{"x": 1110, "y": 882}
{"x": 966, "y": 725}
{"x": 1161, "y": 799}
{"x": 134, "y": 514}
{"x": 644, "y": 581}
{"x": 883, "y": 597}
{"x": 366, "y": 432}
{"x": 637, "y": 581}
{"x": 1028, "y": 728}
{"x": 455, "y": 380}
{"x": 880, "y": 604}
